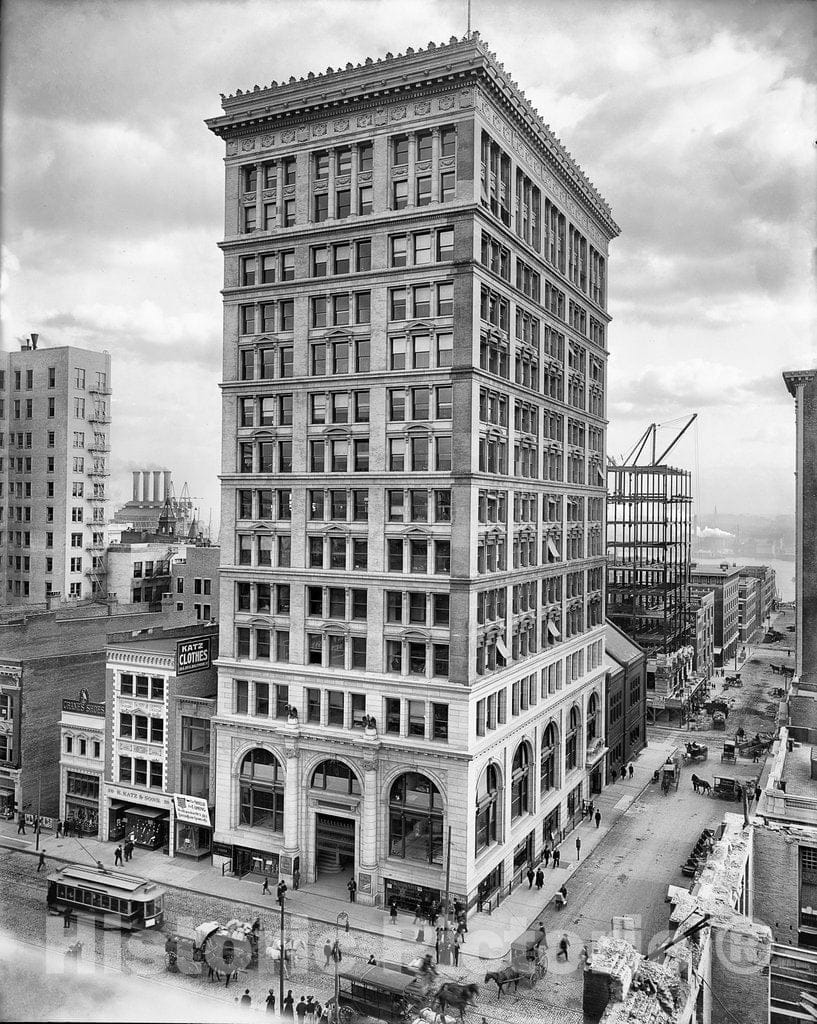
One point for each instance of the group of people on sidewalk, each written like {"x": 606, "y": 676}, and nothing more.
{"x": 308, "y": 1010}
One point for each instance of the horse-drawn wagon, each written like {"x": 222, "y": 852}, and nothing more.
{"x": 695, "y": 752}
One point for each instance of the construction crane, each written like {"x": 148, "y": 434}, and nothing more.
{"x": 652, "y": 433}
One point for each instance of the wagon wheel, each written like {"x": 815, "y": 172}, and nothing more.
{"x": 346, "y": 1014}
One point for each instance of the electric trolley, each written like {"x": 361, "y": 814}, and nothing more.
{"x": 114, "y": 900}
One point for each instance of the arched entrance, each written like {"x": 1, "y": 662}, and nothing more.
{"x": 335, "y": 825}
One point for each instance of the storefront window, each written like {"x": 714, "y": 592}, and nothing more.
{"x": 416, "y": 819}
{"x": 520, "y": 781}
{"x": 487, "y": 808}
{"x": 262, "y": 791}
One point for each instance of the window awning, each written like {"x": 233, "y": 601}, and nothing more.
{"x": 552, "y": 548}
{"x": 502, "y": 649}
{"x": 553, "y": 629}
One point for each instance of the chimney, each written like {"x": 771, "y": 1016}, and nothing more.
{"x": 136, "y": 482}
{"x": 157, "y": 485}
{"x": 34, "y": 339}
{"x": 145, "y": 485}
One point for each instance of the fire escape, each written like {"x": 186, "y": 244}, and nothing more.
{"x": 98, "y": 472}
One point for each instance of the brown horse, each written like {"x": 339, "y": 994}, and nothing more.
{"x": 458, "y": 996}
{"x": 507, "y": 976}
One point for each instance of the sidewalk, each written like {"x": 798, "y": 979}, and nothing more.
{"x": 489, "y": 936}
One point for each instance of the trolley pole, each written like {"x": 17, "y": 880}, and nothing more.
{"x": 281, "y": 962}
{"x": 445, "y": 951}
{"x": 342, "y": 916}
{"x": 39, "y": 800}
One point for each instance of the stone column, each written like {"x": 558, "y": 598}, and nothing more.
{"x": 368, "y": 886}
{"x": 330, "y": 184}
{"x": 353, "y": 182}
{"x": 412, "y": 162}
{"x": 259, "y": 201}
{"x": 435, "y": 165}
{"x": 291, "y": 812}
{"x": 279, "y": 194}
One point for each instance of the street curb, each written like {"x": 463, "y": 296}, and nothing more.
{"x": 230, "y": 899}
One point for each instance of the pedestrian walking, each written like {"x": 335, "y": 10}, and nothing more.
{"x": 433, "y": 913}
{"x": 21, "y": 825}
{"x": 66, "y": 828}
{"x": 59, "y": 829}
{"x": 530, "y": 876}
{"x": 300, "y": 1010}
{"x": 613, "y": 774}
{"x": 557, "y": 856}
{"x": 246, "y": 999}
{"x": 318, "y": 1013}
{"x": 546, "y": 855}
{"x": 128, "y": 849}
{"x": 418, "y": 912}
{"x": 598, "y": 818}
{"x": 543, "y": 935}
{"x": 540, "y": 878}
{"x": 289, "y": 1002}
{"x": 117, "y": 856}
{"x": 564, "y": 946}
{"x": 630, "y": 769}
{"x": 66, "y": 918}
{"x": 393, "y": 910}
{"x": 458, "y": 940}
{"x": 351, "y": 885}
{"x": 41, "y": 861}
{"x": 758, "y": 791}
{"x": 327, "y": 952}
{"x": 437, "y": 943}
{"x": 265, "y": 887}
{"x": 310, "y": 1009}
{"x": 296, "y": 879}
{"x": 372, "y": 960}
{"x": 578, "y": 848}
{"x": 271, "y": 1002}
{"x": 280, "y": 891}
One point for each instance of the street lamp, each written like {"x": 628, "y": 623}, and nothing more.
{"x": 282, "y": 953}
{"x": 344, "y": 917}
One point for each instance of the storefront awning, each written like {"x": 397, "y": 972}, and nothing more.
{"x": 146, "y": 812}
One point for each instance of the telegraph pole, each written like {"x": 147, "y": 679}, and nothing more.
{"x": 39, "y": 800}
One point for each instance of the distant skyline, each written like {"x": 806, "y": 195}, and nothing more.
{"x": 693, "y": 119}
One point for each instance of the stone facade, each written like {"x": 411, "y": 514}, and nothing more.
{"x": 802, "y": 386}
{"x": 412, "y": 490}
{"x": 82, "y": 763}
{"x": 723, "y": 581}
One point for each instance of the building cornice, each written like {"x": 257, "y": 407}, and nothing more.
{"x": 457, "y": 63}
{"x": 795, "y": 379}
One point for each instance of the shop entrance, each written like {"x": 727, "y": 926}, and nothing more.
{"x": 334, "y": 846}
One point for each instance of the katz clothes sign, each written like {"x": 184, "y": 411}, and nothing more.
{"x": 193, "y": 655}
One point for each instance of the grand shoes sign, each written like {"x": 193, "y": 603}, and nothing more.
{"x": 193, "y": 655}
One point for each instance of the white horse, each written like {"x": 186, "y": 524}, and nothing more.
{"x": 292, "y": 948}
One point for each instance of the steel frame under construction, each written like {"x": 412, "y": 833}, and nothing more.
{"x": 649, "y": 535}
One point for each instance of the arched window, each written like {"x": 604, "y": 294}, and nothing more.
{"x": 487, "y": 807}
{"x": 547, "y": 770}
{"x": 572, "y": 738}
{"x": 262, "y": 791}
{"x": 335, "y": 777}
{"x": 592, "y": 715}
{"x": 416, "y": 819}
{"x": 520, "y": 778}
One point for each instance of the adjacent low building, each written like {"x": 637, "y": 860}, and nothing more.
{"x": 701, "y": 610}
{"x": 724, "y": 581}
{"x": 47, "y": 657}
{"x": 768, "y": 588}
{"x": 82, "y": 763}
{"x": 194, "y": 586}
{"x": 147, "y": 675}
{"x": 750, "y": 607}
{"x": 625, "y": 698}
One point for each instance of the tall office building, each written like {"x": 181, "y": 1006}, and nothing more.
{"x": 412, "y": 585}
{"x": 54, "y": 445}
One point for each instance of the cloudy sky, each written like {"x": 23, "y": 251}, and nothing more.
{"x": 694, "y": 119}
